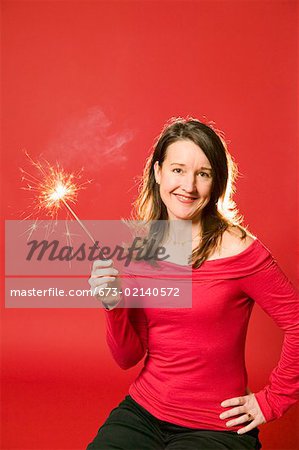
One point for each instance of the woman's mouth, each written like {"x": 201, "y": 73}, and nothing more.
{"x": 185, "y": 198}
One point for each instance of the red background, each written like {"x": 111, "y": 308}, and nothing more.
{"x": 91, "y": 83}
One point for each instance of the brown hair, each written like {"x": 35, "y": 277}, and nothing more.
{"x": 221, "y": 211}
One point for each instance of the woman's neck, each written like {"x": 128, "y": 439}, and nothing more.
{"x": 184, "y": 230}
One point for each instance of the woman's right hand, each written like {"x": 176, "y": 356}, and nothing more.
{"x": 104, "y": 276}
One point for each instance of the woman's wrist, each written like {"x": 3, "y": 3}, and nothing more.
{"x": 109, "y": 306}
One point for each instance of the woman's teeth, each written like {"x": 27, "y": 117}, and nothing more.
{"x": 184, "y": 199}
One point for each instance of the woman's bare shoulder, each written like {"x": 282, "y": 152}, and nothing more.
{"x": 232, "y": 241}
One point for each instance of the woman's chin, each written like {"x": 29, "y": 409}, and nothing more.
{"x": 180, "y": 217}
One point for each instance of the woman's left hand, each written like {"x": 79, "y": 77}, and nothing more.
{"x": 248, "y": 407}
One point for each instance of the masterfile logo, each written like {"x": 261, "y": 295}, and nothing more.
{"x": 48, "y": 264}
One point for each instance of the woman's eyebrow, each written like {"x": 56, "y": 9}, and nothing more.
{"x": 180, "y": 164}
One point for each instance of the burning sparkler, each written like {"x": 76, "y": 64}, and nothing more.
{"x": 53, "y": 188}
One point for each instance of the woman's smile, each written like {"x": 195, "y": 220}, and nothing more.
{"x": 185, "y": 199}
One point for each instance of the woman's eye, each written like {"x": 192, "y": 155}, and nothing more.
{"x": 204, "y": 174}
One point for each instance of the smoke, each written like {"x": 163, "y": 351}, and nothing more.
{"x": 88, "y": 141}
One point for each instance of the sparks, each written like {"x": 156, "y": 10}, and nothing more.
{"x": 53, "y": 188}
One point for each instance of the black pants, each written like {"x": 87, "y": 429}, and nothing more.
{"x": 131, "y": 427}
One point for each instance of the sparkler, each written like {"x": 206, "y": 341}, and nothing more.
{"x": 53, "y": 188}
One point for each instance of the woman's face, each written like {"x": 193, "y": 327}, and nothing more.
{"x": 185, "y": 180}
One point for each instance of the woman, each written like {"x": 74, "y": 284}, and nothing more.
{"x": 191, "y": 393}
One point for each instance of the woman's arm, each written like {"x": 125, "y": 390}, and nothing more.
{"x": 126, "y": 334}
{"x": 126, "y": 331}
{"x": 271, "y": 289}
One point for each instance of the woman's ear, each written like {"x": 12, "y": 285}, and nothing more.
{"x": 157, "y": 170}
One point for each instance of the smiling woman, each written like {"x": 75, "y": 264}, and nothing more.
{"x": 190, "y": 175}
{"x": 195, "y": 363}
{"x": 185, "y": 186}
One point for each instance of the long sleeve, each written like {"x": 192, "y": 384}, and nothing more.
{"x": 269, "y": 287}
{"x": 126, "y": 334}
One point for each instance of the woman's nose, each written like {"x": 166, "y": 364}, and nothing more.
{"x": 189, "y": 184}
